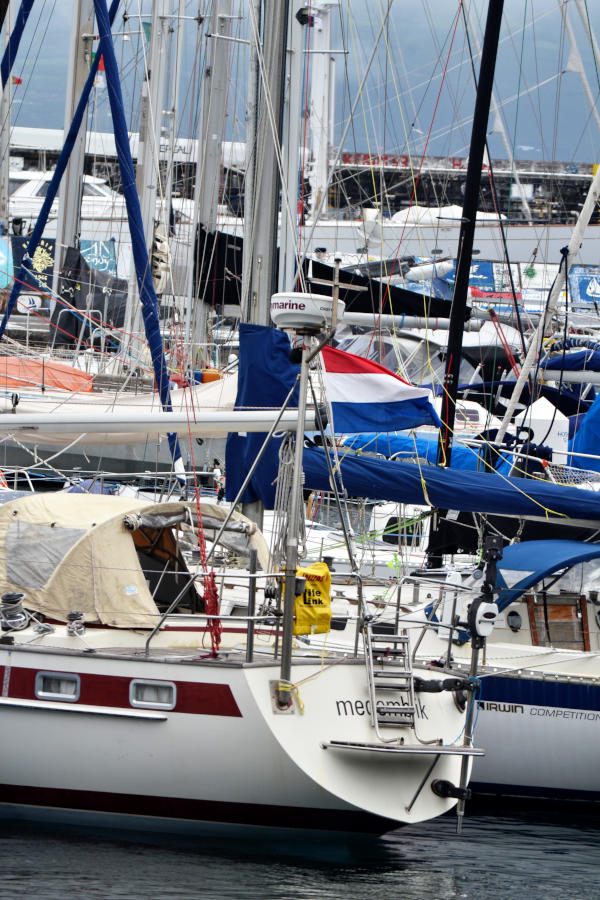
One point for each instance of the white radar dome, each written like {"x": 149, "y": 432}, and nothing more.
{"x": 305, "y": 313}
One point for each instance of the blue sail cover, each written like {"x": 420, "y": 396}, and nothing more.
{"x": 523, "y": 565}
{"x": 447, "y": 489}
{"x": 578, "y": 361}
{"x": 587, "y": 439}
{"x": 265, "y": 378}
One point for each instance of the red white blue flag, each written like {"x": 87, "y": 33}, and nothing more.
{"x": 365, "y": 396}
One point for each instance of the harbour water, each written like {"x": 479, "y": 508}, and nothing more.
{"x": 539, "y": 856}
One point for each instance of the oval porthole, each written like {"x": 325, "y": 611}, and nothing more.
{"x": 514, "y": 620}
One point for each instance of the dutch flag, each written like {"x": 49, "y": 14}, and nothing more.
{"x": 365, "y": 396}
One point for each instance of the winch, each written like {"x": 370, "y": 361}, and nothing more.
{"x": 12, "y": 615}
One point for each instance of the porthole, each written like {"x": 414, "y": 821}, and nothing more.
{"x": 152, "y": 694}
{"x": 63, "y": 686}
{"x": 514, "y": 620}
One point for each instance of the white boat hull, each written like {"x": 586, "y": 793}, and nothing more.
{"x": 541, "y": 738}
{"x": 223, "y": 757}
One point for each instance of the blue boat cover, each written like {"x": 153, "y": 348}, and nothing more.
{"x": 523, "y": 565}
{"x": 382, "y": 479}
{"x": 587, "y": 439}
{"x": 574, "y": 362}
{"x": 265, "y": 378}
{"x": 422, "y": 446}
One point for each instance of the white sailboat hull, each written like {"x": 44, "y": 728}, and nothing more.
{"x": 222, "y": 757}
{"x": 541, "y": 739}
{"x": 538, "y": 718}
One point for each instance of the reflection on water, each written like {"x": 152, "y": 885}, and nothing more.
{"x": 534, "y": 856}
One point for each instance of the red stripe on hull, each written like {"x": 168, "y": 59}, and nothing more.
{"x": 196, "y": 810}
{"x": 195, "y": 698}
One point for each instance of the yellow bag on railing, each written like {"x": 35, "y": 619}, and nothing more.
{"x": 312, "y": 609}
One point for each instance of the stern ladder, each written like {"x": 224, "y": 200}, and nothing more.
{"x": 389, "y": 672}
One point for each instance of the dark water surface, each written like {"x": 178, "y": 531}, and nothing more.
{"x": 549, "y": 855}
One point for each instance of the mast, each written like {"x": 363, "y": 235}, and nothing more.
{"x": 467, "y": 228}
{"x": 291, "y": 544}
{"x": 171, "y": 115}
{"x": 499, "y": 126}
{"x": 254, "y": 13}
{"x": 69, "y": 198}
{"x": 465, "y": 248}
{"x": 210, "y": 142}
{"x": 147, "y": 175}
{"x": 265, "y": 209}
{"x": 5, "y": 126}
{"x": 261, "y": 211}
{"x": 290, "y": 154}
{"x": 322, "y": 88}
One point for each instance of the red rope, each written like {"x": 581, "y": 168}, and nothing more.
{"x": 211, "y": 607}
{"x": 504, "y": 342}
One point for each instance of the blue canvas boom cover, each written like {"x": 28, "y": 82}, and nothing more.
{"x": 587, "y": 439}
{"x": 382, "y": 479}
